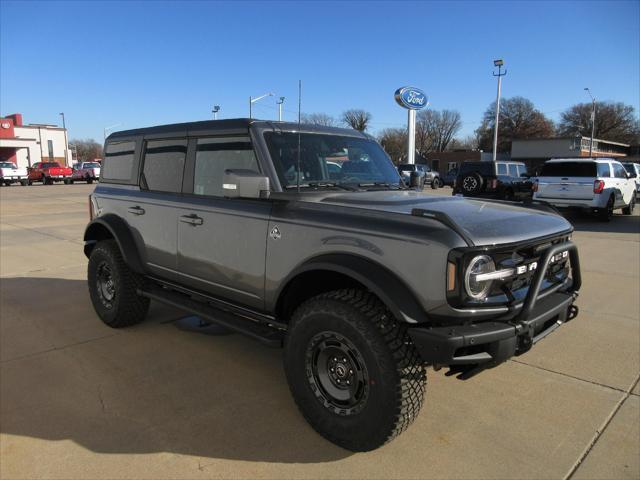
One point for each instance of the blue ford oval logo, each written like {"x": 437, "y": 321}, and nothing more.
{"x": 411, "y": 98}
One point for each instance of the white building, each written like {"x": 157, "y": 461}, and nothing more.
{"x": 25, "y": 145}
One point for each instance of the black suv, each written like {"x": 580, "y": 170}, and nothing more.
{"x": 305, "y": 237}
{"x": 504, "y": 180}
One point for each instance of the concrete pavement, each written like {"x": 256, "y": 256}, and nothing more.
{"x": 80, "y": 400}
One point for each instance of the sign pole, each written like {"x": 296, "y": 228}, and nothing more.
{"x": 411, "y": 136}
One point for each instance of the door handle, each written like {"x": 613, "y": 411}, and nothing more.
{"x": 191, "y": 219}
{"x": 136, "y": 210}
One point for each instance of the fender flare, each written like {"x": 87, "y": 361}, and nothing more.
{"x": 119, "y": 230}
{"x": 386, "y": 285}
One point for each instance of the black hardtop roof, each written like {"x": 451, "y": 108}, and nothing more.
{"x": 233, "y": 125}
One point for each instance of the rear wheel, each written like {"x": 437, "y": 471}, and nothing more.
{"x": 472, "y": 183}
{"x": 435, "y": 183}
{"x": 606, "y": 213}
{"x": 24, "y": 183}
{"x": 353, "y": 370}
{"x": 508, "y": 195}
{"x": 628, "y": 210}
{"x": 113, "y": 287}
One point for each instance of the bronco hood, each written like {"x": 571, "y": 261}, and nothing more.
{"x": 483, "y": 222}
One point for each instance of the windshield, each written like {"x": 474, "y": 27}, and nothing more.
{"x": 7, "y": 165}
{"x": 91, "y": 165}
{"x": 569, "y": 169}
{"x": 329, "y": 160}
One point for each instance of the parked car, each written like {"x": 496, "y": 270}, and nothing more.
{"x": 85, "y": 171}
{"x": 49, "y": 172}
{"x": 449, "y": 178}
{"x": 11, "y": 173}
{"x": 633, "y": 169}
{"x": 501, "y": 179}
{"x": 430, "y": 177}
{"x": 362, "y": 280}
{"x": 598, "y": 185}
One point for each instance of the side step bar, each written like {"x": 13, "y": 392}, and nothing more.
{"x": 266, "y": 334}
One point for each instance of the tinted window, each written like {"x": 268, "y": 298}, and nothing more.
{"x": 483, "y": 168}
{"x": 619, "y": 171}
{"x": 214, "y": 156}
{"x": 629, "y": 167}
{"x": 406, "y": 168}
{"x": 603, "y": 170}
{"x": 513, "y": 170}
{"x": 164, "y": 165}
{"x": 522, "y": 170}
{"x": 569, "y": 169}
{"x": 502, "y": 168}
{"x": 118, "y": 161}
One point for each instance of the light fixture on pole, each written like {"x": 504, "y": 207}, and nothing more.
{"x": 497, "y": 63}
{"x": 252, "y": 100}
{"x": 66, "y": 141}
{"x": 279, "y": 103}
{"x": 106, "y": 129}
{"x": 593, "y": 120}
{"x": 216, "y": 109}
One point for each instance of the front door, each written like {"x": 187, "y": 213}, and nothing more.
{"x": 222, "y": 241}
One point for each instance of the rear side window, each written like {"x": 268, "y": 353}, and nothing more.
{"x": 619, "y": 171}
{"x": 118, "y": 161}
{"x": 502, "y": 168}
{"x": 164, "y": 165}
{"x": 603, "y": 170}
{"x": 513, "y": 170}
{"x": 214, "y": 156}
{"x": 569, "y": 169}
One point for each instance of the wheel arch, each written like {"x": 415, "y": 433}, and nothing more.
{"x": 336, "y": 271}
{"x": 112, "y": 227}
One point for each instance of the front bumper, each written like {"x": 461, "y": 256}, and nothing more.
{"x": 476, "y": 346}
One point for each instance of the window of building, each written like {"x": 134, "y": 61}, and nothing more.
{"x": 214, "y": 156}
{"x": 435, "y": 164}
{"x": 619, "y": 171}
{"x": 118, "y": 161}
{"x": 50, "y": 145}
{"x": 164, "y": 165}
{"x": 603, "y": 170}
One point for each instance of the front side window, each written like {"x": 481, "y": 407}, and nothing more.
{"x": 522, "y": 171}
{"x": 362, "y": 161}
{"x": 118, "y": 161}
{"x": 502, "y": 168}
{"x": 214, "y": 156}
{"x": 603, "y": 170}
{"x": 164, "y": 165}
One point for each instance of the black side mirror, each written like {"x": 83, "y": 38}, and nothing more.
{"x": 415, "y": 179}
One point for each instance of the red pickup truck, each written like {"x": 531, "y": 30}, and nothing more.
{"x": 49, "y": 172}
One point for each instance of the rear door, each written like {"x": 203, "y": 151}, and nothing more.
{"x": 222, "y": 241}
{"x": 567, "y": 180}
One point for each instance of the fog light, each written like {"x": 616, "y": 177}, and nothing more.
{"x": 477, "y": 289}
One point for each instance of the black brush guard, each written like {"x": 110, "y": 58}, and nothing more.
{"x": 469, "y": 349}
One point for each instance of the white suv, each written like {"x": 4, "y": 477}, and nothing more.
{"x": 600, "y": 185}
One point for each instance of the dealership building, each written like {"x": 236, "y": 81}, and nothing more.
{"x": 25, "y": 145}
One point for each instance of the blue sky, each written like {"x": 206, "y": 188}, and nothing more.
{"x": 148, "y": 63}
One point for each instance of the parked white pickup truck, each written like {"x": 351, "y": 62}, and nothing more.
{"x": 599, "y": 185}
{"x": 11, "y": 173}
{"x": 85, "y": 172}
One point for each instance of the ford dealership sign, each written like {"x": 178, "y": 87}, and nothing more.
{"x": 411, "y": 98}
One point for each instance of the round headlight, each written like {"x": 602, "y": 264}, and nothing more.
{"x": 478, "y": 289}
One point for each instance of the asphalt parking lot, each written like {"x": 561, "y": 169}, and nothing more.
{"x": 80, "y": 400}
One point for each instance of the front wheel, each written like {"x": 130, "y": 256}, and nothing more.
{"x": 113, "y": 287}
{"x": 606, "y": 213}
{"x": 353, "y": 370}
{"x": 24, "y": 183}
{"x": 628, "y": 210}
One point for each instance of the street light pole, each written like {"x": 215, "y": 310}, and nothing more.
{"x": 593, "y": 121}
{"x": 253, "y": 100}
{"x": 280, "y": 102}
{"x": 216, "y": 109}
{"x": 106, "y": 129}
{"x": 498, "y": 63}
{"x": 66, "y": 140}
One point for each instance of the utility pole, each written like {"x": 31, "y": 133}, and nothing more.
{"x": 66, "y": 141}
{"x": 593, "y": 121}
{"x": 216, "y": 109}
{"x": 279, "y": 103}
{"x": 497, "y": 63}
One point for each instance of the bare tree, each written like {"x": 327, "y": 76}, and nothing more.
{"x": 357, "y": 119}
{"x": 436, "y": 129}
{"x": 87, "y": 150}
{"x": 519, "y": 119}
{"x": 469, "y": 142}
{"x": 614, "y": 121}
{"x": 394, "y": 142}
{"x": 319, "y": 119}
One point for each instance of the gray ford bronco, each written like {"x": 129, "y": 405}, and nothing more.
{"x": 306, "y": 238}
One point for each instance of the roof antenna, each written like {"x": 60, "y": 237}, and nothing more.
{"x": 299, "y": 120}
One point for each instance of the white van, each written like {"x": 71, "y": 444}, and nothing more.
{"x": 600, "y": 185}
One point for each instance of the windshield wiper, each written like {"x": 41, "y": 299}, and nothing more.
{"x": 380, "y": 184}
{"x": 321, "y": 185}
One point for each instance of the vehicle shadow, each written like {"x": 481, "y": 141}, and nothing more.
{"x": 584, "y": 222}
{"x": 148, "y": 388}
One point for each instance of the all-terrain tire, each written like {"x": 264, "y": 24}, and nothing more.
{"x": 123, "y": 307}
{"x": 605, "y": 214}
{"x": 391, "y": 392}
{"x": 628, "y": 210}
{"x": 472, "y": 183}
